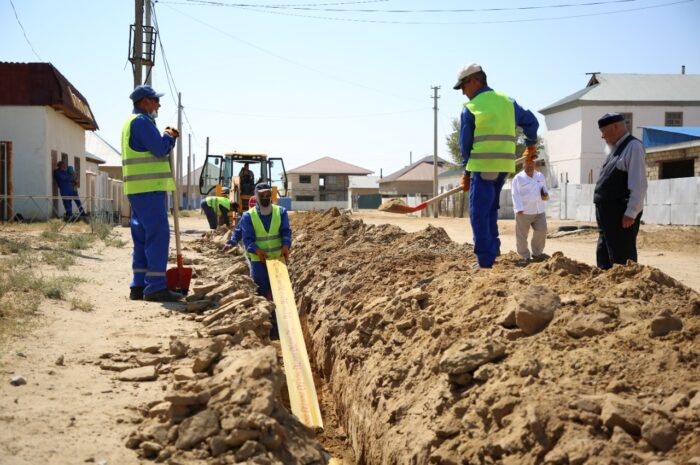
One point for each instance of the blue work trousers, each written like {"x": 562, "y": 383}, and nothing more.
{"x": 483, "y": 213}
{"x": 68, "y": 203}
{"x": 151, "y": 235}
{"x": 258, "y": 271}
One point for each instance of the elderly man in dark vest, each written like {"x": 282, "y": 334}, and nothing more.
{"x": 619, "y": 193}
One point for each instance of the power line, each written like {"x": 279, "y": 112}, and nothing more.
{"x": 24, "y": 32}
{"x": 322, "y": 7}
{"x": 367, "y": 115}
{"x": 376, "y": 21}
{"x": 295, "y": 63}
{"x": 169, "y": 74}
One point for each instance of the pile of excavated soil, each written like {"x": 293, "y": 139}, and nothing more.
{"x": 222, "y": 401}
{"x": 430, "y": 361}
{"x": 391, "y": 204}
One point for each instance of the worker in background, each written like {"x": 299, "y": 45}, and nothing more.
{"x": 147, "y": 179}
{"x": 619, "y": 193}
{"x": 266, "y": 235}
{"x": 214, "y": 206}
{"x": 247, "y": 179}
{"x": 237, "y": 234}
{"x": 529, "y": 192}
{"x": 487, "y": 138}
{"x": 65, "y": 180}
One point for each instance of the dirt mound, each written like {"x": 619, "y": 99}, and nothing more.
{"x": 222, "y": 401}
{"x": 431, "y": 361}
{"x": 392, "y": 204}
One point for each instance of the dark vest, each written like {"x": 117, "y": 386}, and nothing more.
{"x": 612, "y": 182}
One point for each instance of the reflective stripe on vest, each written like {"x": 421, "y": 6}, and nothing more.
{"x": 143, "y": 171}
{"x": 268, "y": 240}
{"x": 493, "y": 149}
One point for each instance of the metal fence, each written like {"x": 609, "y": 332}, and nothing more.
{"x": 668, "y": 201}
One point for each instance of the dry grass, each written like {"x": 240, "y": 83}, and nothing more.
{"x": 82, "y": 305}
{"x": 23, "y": 287}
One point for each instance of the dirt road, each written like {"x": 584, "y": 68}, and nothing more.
{"x": 76, "y": 412}
{"x": 674, "y": 250}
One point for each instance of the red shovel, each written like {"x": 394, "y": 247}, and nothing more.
{"x": 177, "y": 279}
{"x": 401, "y": 207}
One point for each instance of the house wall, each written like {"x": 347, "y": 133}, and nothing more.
{"x": 562, "y": 143}
{"x": 573, "y": 141}
{"x": 654, "y": 160}
{"x": 296, "y": 188}
{"x": 35, "y": 131}
{"x": 335, "y": 187}
{"x": 400, "y": 188}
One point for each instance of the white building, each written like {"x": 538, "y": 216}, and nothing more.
{"x": 43, "y": 119}
{"x": 573, "y": 145}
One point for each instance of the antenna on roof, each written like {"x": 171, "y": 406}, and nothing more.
{"x": 594, "y": 78}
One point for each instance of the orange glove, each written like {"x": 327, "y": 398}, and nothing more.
{"x": 262, "y": 255}
{"x": 530, "y": 153}
{"x": 174, "y": 133}
{"x": 285, "y": 253}
{"x": 466, "y": 182}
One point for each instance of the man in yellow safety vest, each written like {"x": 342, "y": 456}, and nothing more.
{"x": 487, "y": 139}
{"x": 147, "y": 180}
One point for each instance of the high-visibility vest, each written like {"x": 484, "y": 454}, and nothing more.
{"x": 493, "y": 149}
{"x": 270, "y": 241}
{"x": 216, "y": 202}
{"x": 143, "y": 171}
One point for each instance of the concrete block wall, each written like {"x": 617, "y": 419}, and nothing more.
{"x": 668, "y": 201}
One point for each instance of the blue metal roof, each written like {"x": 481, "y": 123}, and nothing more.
{"x": 654, "y": 136}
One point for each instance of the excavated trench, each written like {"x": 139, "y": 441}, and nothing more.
{"x": 428, "y": 361}
{"x": 422, "y": 360}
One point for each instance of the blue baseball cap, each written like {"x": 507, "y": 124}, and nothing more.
{"x": 143, "y": 91}
{"x": 263, "y": 186}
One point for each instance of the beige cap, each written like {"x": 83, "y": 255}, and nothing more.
{"x": 466, "y": 71}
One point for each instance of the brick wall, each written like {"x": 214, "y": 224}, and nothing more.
{"x": 654, "y": 160}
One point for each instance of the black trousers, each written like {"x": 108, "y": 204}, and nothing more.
{"x": 615, "y": 243}
{"x": 212, "y": 218}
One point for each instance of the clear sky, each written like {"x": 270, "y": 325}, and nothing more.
{"x": 308, "y": 83}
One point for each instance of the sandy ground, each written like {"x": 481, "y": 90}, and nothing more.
{"x": 78, "y": 413}
{"x": 674, "y": 250}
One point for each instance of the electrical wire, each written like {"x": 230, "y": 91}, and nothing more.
{"x": 285, "y": 59}
{"x": 169, "y": 75}
{"x": 24, "y": 32}
{"x": 303, "y": 117}
{"x": 321, "y": 7}
{"x": 505, "y": 21}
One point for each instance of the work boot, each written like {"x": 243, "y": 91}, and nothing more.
{"x": 165, "y": 295}
{"x": 540, "y": 258}
{"x": 522, "y": 262}
{"x": 136, "y": 293}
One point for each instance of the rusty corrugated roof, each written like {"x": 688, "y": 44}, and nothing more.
{"x": 40, "y": 84}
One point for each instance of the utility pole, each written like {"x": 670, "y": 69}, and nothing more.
{"x": 189, "y": 170}
{"x": 149, "y": 52}
{"x": 179, "y": 142}
{"x": 138, "y": 43}
{"x": 410, "y": 158}
{"x": 435, "y": 147}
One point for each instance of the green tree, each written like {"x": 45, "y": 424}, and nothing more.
{"x": 452, "y": 141}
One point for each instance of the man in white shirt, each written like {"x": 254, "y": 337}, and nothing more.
{"x": 529, "y": 193}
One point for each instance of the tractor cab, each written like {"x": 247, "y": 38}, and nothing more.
{"x": 240, "y": 172}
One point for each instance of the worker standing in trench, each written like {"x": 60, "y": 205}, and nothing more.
{"x": 266, "y": 235}
{"x": 213, "y": 206}
{"x": 487, "y": 138}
